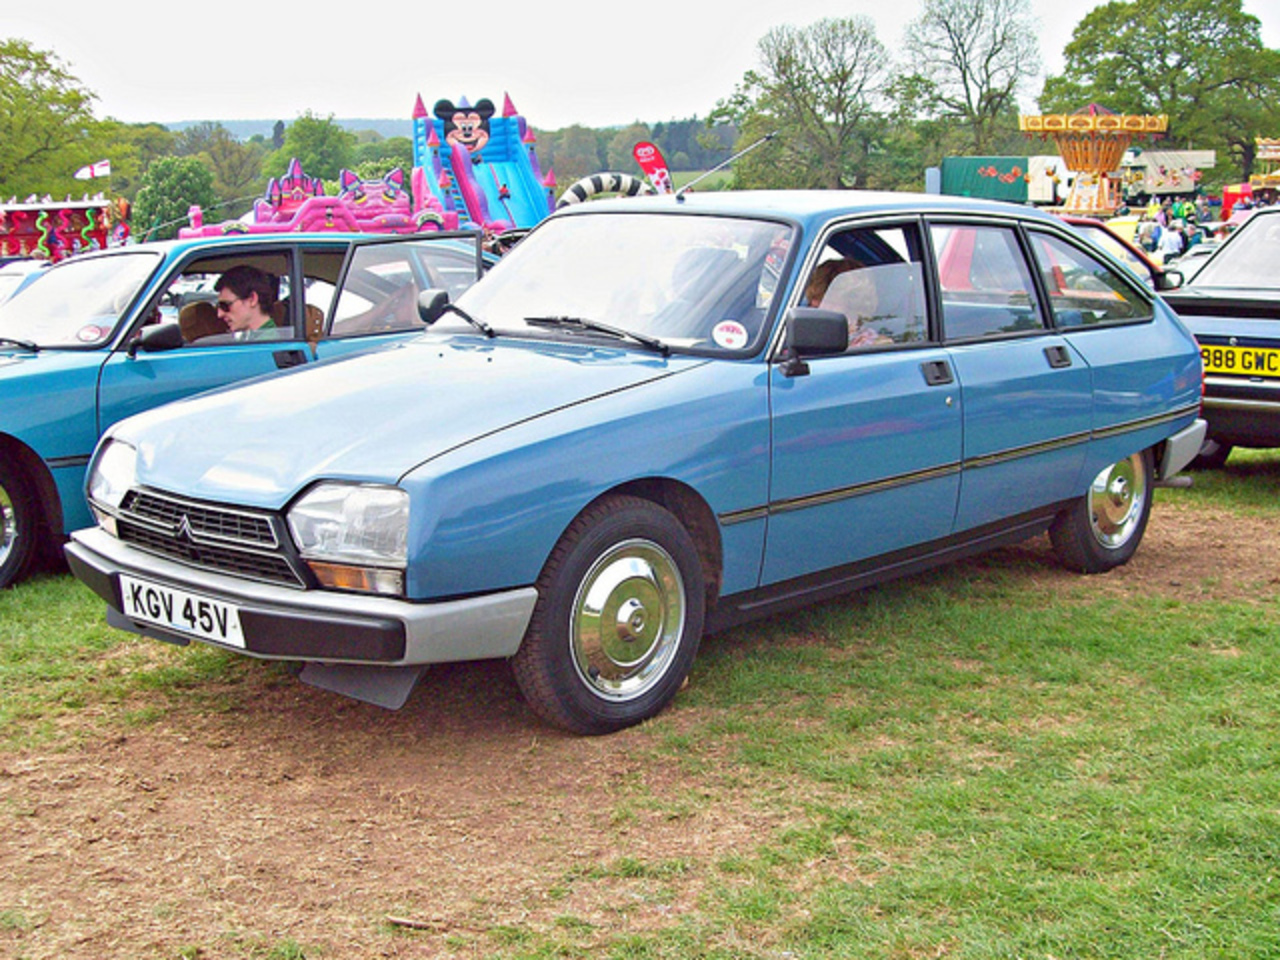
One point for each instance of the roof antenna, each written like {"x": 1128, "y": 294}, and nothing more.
{"x": 720, "y": 166}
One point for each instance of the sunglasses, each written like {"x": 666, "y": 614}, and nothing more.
{"x": 224, "y": 306}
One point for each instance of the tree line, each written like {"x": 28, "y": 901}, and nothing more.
{"x": 847, "y": 112}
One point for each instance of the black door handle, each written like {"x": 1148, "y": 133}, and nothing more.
{"x": 289, "y": 358}
{"x": 1058, "y": 356}
{"x": 936, "y": 372}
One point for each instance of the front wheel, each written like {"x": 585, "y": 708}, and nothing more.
{"x": 1104, "y": 527}
{"x": 618, "y": 621}
{"x": 19, "y": 525}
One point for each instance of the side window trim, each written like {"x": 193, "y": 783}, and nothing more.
{"x": 1036, "y": 294}
{"x": 909, "y": 225}
{"x": 303, "y": 252}
{"x": 1137, "y": 290}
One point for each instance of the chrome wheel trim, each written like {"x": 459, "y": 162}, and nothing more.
{"x": 627, "y": 620}
{"x": 8, "y": 526}
{"x": 1117, "y": 498}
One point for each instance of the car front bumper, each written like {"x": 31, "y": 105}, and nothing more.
{"x": 311, "y": 625}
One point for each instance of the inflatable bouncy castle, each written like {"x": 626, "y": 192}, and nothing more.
{"x": 52, "y": 229}
{"x": 297, "y": 202}
{"x": 481, "y": 166}
{"x": 472, "y": 170}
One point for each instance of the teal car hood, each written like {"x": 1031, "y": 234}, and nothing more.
{"x": 373, "y": 417}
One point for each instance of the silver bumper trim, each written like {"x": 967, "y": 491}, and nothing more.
{"x": 1181, "y": 449}
{"x": 475, "y": 628}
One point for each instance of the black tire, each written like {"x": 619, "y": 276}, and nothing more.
{"x": 1212, "y": 456}
{"x": 20, "y": 526}
{"x": 1104, "y": 527}
{"x": 619, "y": 617}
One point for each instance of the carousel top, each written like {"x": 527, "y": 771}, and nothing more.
{"x": 1095, "y": 120}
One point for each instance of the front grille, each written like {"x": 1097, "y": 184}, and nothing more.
{"x": 204, "y": 520}
{"x": 236, "y": 542}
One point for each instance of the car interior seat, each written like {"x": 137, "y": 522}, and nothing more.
{"x": 198, "y": 320}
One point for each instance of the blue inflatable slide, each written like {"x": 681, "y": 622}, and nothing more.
{"x": 480, "y": 166}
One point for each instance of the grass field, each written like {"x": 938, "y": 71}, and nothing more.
{"x": 991, "y": 760}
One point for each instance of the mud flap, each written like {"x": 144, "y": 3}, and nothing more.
{"x": 387, "y": 687}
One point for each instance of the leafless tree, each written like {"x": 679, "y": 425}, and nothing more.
{"x": 975, "y": 56}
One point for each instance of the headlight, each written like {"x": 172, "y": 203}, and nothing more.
{"x": 114, "y": 472}
{"x": 354, "y": 536}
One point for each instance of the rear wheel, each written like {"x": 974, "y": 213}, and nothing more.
{"x": 1104, "y": 527}
{"x": 19, "y": 526}
{"x": 618, "y": 620}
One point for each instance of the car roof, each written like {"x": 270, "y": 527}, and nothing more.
{"x": 808, "y": 206}
{"x": 251, "y": 240}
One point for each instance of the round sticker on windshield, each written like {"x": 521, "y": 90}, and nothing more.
{"x": 730, "y": 334}
{"x": 91, "y": 334}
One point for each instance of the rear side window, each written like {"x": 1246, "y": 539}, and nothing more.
{"x": 987, "y": 289}
{"x": 1084, "y": 291}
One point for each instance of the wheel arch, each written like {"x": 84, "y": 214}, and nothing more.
{"x": 694, "y": 513}
{"x": 34, "y": 468}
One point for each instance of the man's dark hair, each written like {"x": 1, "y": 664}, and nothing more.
{"x": 243, "y": 280}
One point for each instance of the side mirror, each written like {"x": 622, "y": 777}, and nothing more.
{"x": 432, "y": 304}
{"x": 812, "y": 332}
{"x": 1170, "y": 280}
{"x": 164, "y": 336}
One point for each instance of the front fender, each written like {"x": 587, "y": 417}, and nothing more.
{"x": 487, "y": 516}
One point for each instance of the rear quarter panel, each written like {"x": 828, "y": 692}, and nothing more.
{"x": 1142, "y": 374}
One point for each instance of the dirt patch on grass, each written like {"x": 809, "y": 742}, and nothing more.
{"x": 1187, "y": 553}
{"x": 298, "y": 818}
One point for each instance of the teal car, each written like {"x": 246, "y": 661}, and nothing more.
{"x": 106, "y": 335}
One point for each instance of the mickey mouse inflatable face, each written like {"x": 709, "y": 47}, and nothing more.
{"x": 464, "y": 123}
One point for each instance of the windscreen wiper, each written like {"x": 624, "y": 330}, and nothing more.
{"x": 476, "y": 322}
{"x": 23, "y": 344}
{"x": 594, "y": 326}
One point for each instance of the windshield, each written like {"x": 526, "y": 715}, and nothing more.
{"x": 693, "y": 282}
{"x": 78, "y": 302}
{"x": 1248, "y": 260}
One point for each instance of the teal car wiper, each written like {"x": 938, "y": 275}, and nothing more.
{"x": 594, "y": 326}
{"x": 23, "y": 344}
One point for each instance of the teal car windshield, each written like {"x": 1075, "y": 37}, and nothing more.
{"x": 79, "y": 302}
{"x": 701, "y": 283}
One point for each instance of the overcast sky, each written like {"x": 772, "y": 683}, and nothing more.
{"x": 562, "y": 63}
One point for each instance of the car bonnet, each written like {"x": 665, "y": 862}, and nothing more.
{"x": 373, "y": 417}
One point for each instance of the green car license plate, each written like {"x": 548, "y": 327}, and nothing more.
{"x": 1241, "y": 361}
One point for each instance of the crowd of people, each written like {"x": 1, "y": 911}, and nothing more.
{"x": 1171, "y": 227}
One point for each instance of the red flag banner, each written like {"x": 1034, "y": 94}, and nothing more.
{"x": 654, "y": 166}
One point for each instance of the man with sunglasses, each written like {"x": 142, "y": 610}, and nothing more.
{"x": 246, "y": 296}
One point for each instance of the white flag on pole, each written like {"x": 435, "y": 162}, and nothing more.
{"x": 100, "y": 169}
